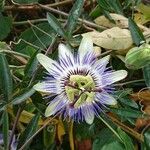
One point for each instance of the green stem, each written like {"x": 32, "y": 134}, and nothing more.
{"x": 39, "y": 130}
{"x": 13, "y": 52}
{"x": 110, "y": 128}
{"x": 16, "y": 67}
{"x": 129, "y": 82}
{"x": 27, "y": 22}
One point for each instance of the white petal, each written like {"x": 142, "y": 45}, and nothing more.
{"x": 47, "y": 87}
{"x": 51, "y": 109}
{"x": 64, "y": 51}
{"x": 65, "y": 56}
{"x": 56, "y": 104}
{"x": 40, "y": 87}
{"x": 106, "y": 98}
{"x": 1, "y": 139}
{"x": 48, "y": 63}
{"x": 88, "y": 115}
{"x": 86, "y": 45}
{"x": 101, "y": 64}
{"x": 110, "y": 78}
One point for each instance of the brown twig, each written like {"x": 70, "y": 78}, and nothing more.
{"x": 35, "y": 6}
{"x": 14, "y": 126}
{"x": 29, "y": 140}
{"x": 91, "y": 24}
{"x": 129, "y": 130}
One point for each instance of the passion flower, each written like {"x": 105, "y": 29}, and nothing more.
{"x": 82, "y": 83}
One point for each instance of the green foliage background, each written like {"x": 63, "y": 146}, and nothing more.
{"x": 29, "y": 27}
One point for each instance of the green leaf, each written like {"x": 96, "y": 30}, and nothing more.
{"x": 5, "y": 129}
{"x": 29, "y": 131}
{"x": 127, "y": 112}
{"x": 83, "y": 131}
{"x": 23, "y": 96}
{"x": 147, "y": 138}
{"x": 104, "y": 4}
{"x": 53, "y": 22}
{"x": 6, "y": 83}
{"x": 96, "y": 12}
{"x": 136, "y": 33}
{"x": 2, "y": 3}
{"x": 38, "y": 102}
{"x": 26, "y": 1}
{"x": 73, "y": 16}
{"x": 110, "y": 6}
{"x": 126, "y": 139}
{"x": 128, "y": 102}
{"x": 146, "y": 73}
{"x": 5, "y": 26}
{"x": 116, "y": 5}
{"x": 107, "y": 15}
{"x": 106, "y": 140}
{"x": 127, "y": 3}
{"x": 49, "y": 135}
{"x": 122, "y": 93}
{"x": 31, "y": 65}
{"x": 38, "y": 37}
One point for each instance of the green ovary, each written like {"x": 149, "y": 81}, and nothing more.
{"x": 79, "y": 90}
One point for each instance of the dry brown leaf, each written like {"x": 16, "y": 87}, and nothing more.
{"x": 143, "y": 95}
{"x": 140, "y": 123}
{"x": 114, "y": 38}
{"x": 120, "y": 21}
{"x": 147, "y": 110}
{"x": 21, "y": 59}
{"x": 144, "y": 98}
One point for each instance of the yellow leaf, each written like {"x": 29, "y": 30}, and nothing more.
{"x": 145, "y": 9}
{"x": 71, "y": 140}
{"x": 60, "y": 130}
{"x": 141, "y": 19}
{"x": 26, "y": 116}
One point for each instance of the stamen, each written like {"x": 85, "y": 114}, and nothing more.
{"x": 76, "y": 99}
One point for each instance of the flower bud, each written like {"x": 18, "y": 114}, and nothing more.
{"x": 138, "y": 57}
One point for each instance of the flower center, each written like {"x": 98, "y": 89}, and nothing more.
{"x": 80, "y": 90}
